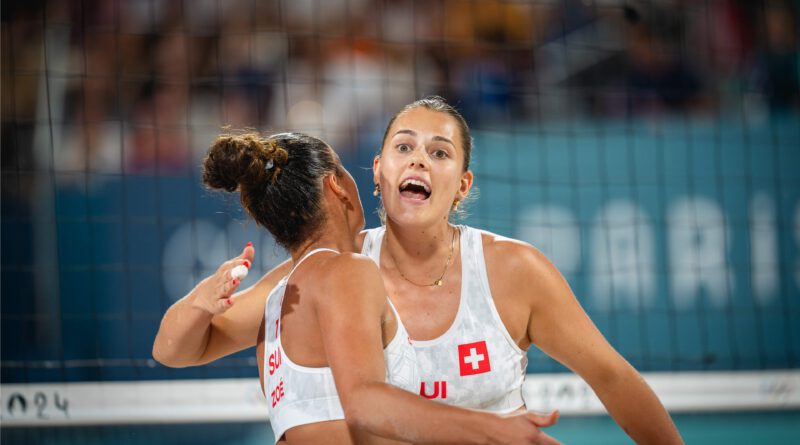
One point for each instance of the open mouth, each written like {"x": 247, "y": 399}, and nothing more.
{"x": 415, "y": 189}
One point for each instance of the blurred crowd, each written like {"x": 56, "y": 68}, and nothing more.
{"x": 143, "y": 85}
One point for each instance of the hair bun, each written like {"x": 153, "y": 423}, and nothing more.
{"x": 236, "y": 160}
{"x": 281, "y": 194}
{"x": 276, "y": 158}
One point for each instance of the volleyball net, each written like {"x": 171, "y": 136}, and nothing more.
{"x": 650, "y": 149}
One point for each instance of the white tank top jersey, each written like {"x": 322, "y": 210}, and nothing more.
{"x": 299, "y": 395}
{"x": 475, "y": 363}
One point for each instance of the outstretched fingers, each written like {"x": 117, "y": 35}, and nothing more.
{"x": 248, "y": 253}
{"x": 216, "y": 292}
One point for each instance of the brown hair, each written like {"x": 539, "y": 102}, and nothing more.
{"x": 437, "y": 103}
{"x": 278, "y": 179}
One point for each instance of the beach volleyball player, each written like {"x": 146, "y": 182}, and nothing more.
{"x": 330, "y": 340}
{"x": 472, "y": 302}
{"x": 473, "y": 317}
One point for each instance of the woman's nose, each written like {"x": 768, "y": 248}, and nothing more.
{"x": 417, "y": 159}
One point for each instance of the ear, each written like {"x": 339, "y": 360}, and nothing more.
{"x": 376, "y": 168}
{"x": 465, "y": 185}
{"x": 334, "y": 184}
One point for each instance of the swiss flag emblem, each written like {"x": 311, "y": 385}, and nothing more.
{"x": 473, "y": 358}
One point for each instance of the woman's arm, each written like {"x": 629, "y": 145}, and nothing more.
{"x": 349, "y": 314}
{"x": 559, "y": 326}
{"x": 211, "y": 322}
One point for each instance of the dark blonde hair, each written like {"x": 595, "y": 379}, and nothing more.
{"x": 278, "y": 179}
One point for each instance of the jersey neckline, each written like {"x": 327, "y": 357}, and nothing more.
{"x": 449, "y": 332}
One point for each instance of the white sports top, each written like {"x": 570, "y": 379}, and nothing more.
{"x": 298, "y": 395}
{"x": 475, "y": 363}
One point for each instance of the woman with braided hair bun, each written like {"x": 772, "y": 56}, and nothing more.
{"x": 474, "y": 302}
{"x": 335, "y": 360}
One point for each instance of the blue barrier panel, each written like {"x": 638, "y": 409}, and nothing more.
{"x": 680, "y": 239}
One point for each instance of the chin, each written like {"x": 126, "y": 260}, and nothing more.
{"x": 413, "y": 217}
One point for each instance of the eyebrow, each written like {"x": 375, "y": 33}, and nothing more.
{"x": 435, "y": 138}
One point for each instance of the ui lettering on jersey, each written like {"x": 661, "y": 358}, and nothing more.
{"x": 473, "y": 358}
{"x": 439, "y": 390}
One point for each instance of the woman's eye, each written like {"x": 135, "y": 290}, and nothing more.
{"x": 403, "y": 147}
{"x": 439, "y": 154}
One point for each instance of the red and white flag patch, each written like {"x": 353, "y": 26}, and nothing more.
{"x": 473, "y": 358}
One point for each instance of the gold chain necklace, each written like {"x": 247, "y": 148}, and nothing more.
{"x": 439, "y": 281}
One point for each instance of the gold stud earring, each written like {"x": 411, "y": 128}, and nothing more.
{"x": 455, "y": 204}
{"x": 377, "y": 190}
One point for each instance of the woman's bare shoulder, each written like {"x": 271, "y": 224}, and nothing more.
{"x": 515, "y": 261}
{"x": 509, "y": 251}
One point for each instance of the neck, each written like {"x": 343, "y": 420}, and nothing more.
{"x": 417, "y": 243}
{"x": 420, "y": 252}
{"x": 338, "y": 239}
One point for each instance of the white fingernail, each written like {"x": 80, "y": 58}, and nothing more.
{"x": 239, "y": 272}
